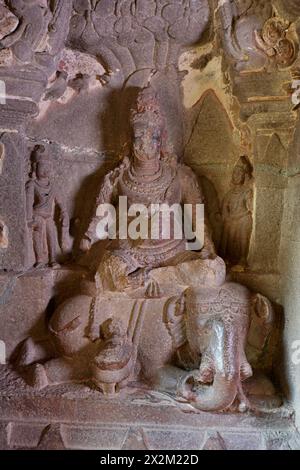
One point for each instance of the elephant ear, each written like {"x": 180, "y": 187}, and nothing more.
{"x": 262, "y": 321}
{"x": 263, "y": 309}
{"x": 174, "y": 320}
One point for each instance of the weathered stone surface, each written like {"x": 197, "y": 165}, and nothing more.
{"x": 12, "y": 203}
{"x": 51, "y": 438}
{"x": 25, "y": 435}
{"x": 213, "y": 441}
{"x": 89, "y": 438}
{"x": 243, "y": 441}
{"x": 4, "y": 435}
{"x": 180, "y": 439}
{"x": 136, "y": 325}
{"x": 78, "y": 418}
{"x": 30, "y": 316}
{"x": 136, "y": 439}
{"x": 290, "y": 292}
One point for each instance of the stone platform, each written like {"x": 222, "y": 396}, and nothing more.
{"x": 77, "y": 417}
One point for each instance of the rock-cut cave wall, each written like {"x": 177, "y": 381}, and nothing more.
{"x": 228, "y": 77}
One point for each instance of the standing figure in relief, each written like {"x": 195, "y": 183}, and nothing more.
{"x": 42, "y": 199}
{"x": 237, "y": 215}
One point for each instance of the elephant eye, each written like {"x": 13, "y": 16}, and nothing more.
{"x": 71, "y": 326}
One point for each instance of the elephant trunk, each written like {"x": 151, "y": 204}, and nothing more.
{"x": 216, "y": 397}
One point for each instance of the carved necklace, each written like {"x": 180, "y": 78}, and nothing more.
{"x": 141, "y": 185}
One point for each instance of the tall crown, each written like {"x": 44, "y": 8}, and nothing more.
{"x": 245, "y": 164}
{"x": 147, "y": 109}
{"x": 39, "y": 154}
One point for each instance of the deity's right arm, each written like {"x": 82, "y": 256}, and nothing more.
{"x": 107, "y": 195}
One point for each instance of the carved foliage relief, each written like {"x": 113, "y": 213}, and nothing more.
{"x": 255, "y": 36}
{"x": 136, "y": 34}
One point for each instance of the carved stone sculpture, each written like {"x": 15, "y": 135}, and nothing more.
{"x": 115, "y": 361}
{"x": 292, "y": 6}
{"x": 149, "y": 176}
{"x": 40, "y": 30}
{"x": 42, "y": 198}
{"x": 209, "y": 331}
{"x": 253, "y": 37}
{"x": 8, "y": 21}
{"x": 30, "y": 36}
{"x": 275, "y": 43}
{"x": 237, "y": 214}
{"x": 162, "y": 25}
{"x": 99, "y": 338}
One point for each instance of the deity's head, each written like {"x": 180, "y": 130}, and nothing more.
{"x": 242, "y": 170}
{"x": 147, "y": 126}
{"x": 42, "y": 162}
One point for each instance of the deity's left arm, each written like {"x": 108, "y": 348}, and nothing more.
{"x": 59, "y": 201}
{"x": 192, "y": 194}
{"x": 64, "y": 219}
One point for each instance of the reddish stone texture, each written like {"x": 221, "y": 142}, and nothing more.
{"x": 94, "y": 106}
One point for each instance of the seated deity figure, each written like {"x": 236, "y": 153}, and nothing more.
{"x": 161, "y": 313}
{"x": 148, "y": 177}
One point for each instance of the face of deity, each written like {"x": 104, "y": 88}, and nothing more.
{"x": 238, "y": 175}
{"x": 146, "y": 142}
{"x": 43, "y": 170}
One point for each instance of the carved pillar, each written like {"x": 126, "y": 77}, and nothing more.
{"x": 267, "y": 110}
{"x": 28, "y": 57}
{"x": 271, "y": 133}
{"x": 23, "y": 90}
